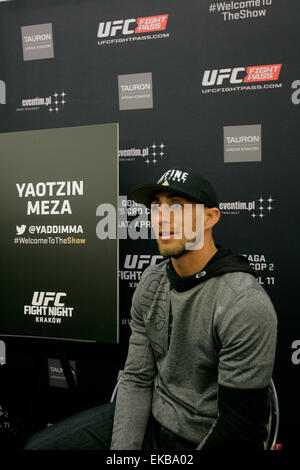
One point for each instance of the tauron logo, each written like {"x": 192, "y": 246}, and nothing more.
{"x": 56, "y": 374}
{"x": 242, "y": 143}
{"x": 132, "y": 26}
{"x": 135, "y": 91}
{"x": 238, "y": 75}
{"x": 37, "y": 41}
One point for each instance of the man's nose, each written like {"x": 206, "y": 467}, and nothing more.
{"x": 166, "y": 217}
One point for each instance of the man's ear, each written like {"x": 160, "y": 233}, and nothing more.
{"x": 211, "y": 217}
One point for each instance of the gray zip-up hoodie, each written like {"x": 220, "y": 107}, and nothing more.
{"x": 223, "y": 333}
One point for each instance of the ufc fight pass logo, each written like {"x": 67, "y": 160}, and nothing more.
{"x": 146, "y": 24}
{"x": 237, "y": 75}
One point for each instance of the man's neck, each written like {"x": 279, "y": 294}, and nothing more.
{"x": 193, "y": 261}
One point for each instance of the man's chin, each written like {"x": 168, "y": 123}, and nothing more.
{"x": 171, "y": 251}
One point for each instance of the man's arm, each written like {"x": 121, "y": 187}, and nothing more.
{"x": 134, "y": 398}
{"x": 247, "y": 333}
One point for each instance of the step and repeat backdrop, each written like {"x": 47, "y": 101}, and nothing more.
{"x": 211, "y": 85}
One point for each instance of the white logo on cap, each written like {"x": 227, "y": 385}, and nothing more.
{"x": 174, "y": 175}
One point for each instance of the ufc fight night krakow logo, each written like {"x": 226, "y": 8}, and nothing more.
{"x": 132, "y": 29}
{"x": 134, "y": 265}
{"x": 241, "y": 78}
{"x": 48, "y": 307}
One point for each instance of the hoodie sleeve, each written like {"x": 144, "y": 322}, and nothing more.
{"x": 247, "y": 333}
{"x": 134, "y": 398}
{"x": 241, "y": 422}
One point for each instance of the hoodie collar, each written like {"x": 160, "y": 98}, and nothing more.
{"x": 223, "y": 261}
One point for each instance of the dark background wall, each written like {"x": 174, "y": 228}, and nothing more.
{"x": 178, "y": 118}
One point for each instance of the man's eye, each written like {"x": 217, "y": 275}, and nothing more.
{"x": 173, "y": 205}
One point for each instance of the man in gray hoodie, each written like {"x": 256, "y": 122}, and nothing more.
{"x": 203, "y": 341}
{"x": 202, "y": 348}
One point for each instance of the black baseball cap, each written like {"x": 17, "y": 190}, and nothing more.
{"x": 184, "y": 181}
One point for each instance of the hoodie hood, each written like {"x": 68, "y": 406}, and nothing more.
{"x": 223, "y": 262}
